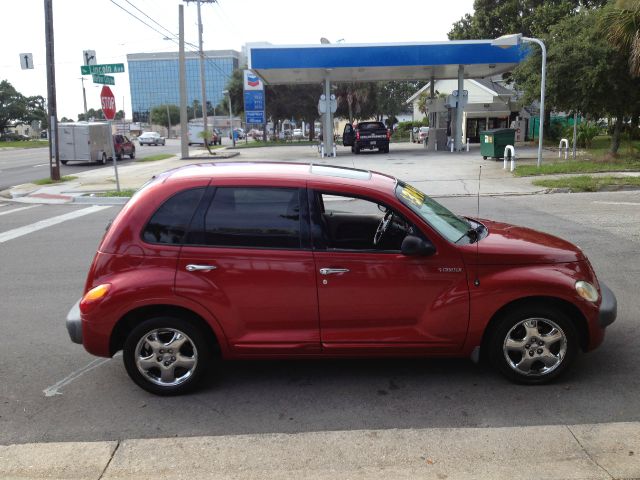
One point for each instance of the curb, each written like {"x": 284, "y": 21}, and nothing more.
{"x": 595, "y": 451}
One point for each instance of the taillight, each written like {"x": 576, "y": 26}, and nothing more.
{"x": 357, "y": 135}
{"x": 388, "y": 134}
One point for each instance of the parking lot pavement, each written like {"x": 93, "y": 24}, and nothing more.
{"x": 536, "y": 453}
{"x": 437, "y": 173}
{"x": 52, "y": 391}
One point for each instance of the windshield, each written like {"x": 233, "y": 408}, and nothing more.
{"x": 448, "y": 224}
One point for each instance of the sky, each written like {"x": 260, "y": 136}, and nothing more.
{"x": 105, "y": 27}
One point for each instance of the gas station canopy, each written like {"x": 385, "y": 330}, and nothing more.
{"x": 373, "y": 62}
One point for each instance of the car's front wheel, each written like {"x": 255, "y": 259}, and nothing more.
{"x": 167, "y": 355}
{"x": 533, "y": 345}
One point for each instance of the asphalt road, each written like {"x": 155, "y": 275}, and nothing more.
{"x": 23, "y": 165}
{"x": 42, "y": 274}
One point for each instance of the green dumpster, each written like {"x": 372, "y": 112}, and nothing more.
{"x": 493, "y": 142}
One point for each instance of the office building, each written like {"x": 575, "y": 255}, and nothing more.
{"x": 154, "y": 79}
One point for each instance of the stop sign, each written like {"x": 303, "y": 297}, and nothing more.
{"x": 108, "y": 103}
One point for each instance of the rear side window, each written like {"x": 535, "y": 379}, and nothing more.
{"x": 171, "y": 221}
{"x": 254, "y": 217}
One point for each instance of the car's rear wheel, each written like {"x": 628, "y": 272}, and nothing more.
{"x": 533, "y": 345}
{"x": 132, "y": 155}
{"x": 64, "y": 162}
{"x": 167, "y": 355}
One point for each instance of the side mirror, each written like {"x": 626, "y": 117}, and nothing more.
{"x": 415, "y": 246}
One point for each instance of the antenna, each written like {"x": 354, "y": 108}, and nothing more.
{"x": 476, "y": 281}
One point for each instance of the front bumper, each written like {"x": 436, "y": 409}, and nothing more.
{"x": 74, "y": 323}
{"x": 608, "y": 306}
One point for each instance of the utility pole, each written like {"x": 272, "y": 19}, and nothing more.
{"x": 202, "y": 77}
{"x": 184, "y": 132}
{"x": 54, "y": 160}
{"x": 84, "y": 98}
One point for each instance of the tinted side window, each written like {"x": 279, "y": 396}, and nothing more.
{"x": 254, "y": 217}
{"x": 171, "y": 221}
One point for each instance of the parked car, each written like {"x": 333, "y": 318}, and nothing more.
{"x": 151, "y": 138}
{"x": 256, "y": 134}
{"x": 366, "y": 135}
{"x": 240, "y": 135}
{"x": 123, "y": 146}
{"x": 13, "y": 137}
{"x": 421, "y": 134}
{"x": 216, "y": 136}
{"x": 262, "y": 260}
{"x": 297, "y": 134}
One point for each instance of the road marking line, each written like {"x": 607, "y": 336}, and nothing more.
{"x": 54, "y": 389}
{"x": 617, "y": 203}
{"x": 17, "y": 209}
{"x": 34, "y": 227}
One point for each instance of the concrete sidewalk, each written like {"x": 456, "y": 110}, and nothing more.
{"x": 438, "y": 173}
{"x": 601, "y": 451}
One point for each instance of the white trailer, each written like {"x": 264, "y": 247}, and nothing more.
{"x": 195, "y": 133}
{"x": 85, "y": 142}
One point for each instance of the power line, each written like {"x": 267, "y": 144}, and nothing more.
{"x": 164, "y": 35}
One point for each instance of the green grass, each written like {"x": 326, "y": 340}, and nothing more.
{"x": 580, "y": 166}
{"x": 592, "y": 160}
{"x": 154, "y": 158}
{"x": 277, "y": 143}
{"x": 48, "y": 181}
{"x": 587, "y": 183}
{"x": 113, "y": 193}
{"x": 25, "y": 144}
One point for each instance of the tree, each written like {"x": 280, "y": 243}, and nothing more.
{"x": 391, "y": 97}
{"x": 165, "y": 115}
{"x": 356, "y": 100}
{"x": 532, "y": 18}
{"x": 622, "y": 24}
{"x": 585, "y": 73}
{"x": 13, "y": 105}
{"x": 91, "y": 114}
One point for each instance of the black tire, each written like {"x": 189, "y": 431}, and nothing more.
{"x": 543, "y": 320}
{"x": 196, "y": 346}
{"x": 64, "y": 162}
{"x": 356, "y": 149}
{"x": 103, "y": 160}
{"x": 119, "y": 155}
{"x": 132, "y": 155}
{"x": 484, "y": 158}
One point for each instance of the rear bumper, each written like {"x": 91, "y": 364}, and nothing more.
{"x": 608, "y": 306}
{"x": 373, "y": 143}
{"x": 74, "y": 323}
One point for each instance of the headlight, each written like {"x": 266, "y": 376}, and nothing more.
{"x": 587, "y": 291}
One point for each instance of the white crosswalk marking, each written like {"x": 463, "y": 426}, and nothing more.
{"x": 34, "y": 227}
{"x": 7, "y": 212}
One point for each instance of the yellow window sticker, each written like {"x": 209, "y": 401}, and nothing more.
{"x": 414, "y": 196}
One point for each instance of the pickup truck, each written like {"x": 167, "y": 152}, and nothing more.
{"x": 366, "y": 135}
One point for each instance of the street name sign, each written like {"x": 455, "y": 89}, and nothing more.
{"x": 105, "y": 69}
{"x": 104, "y": 79}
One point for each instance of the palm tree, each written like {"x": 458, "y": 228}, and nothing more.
{"x": 622, "y": 22}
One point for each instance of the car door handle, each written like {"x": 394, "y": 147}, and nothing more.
{"x": 332, "y": 271}
{"x": 200, "y": 268}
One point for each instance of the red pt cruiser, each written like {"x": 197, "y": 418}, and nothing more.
{"x": 273, "y": 260}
